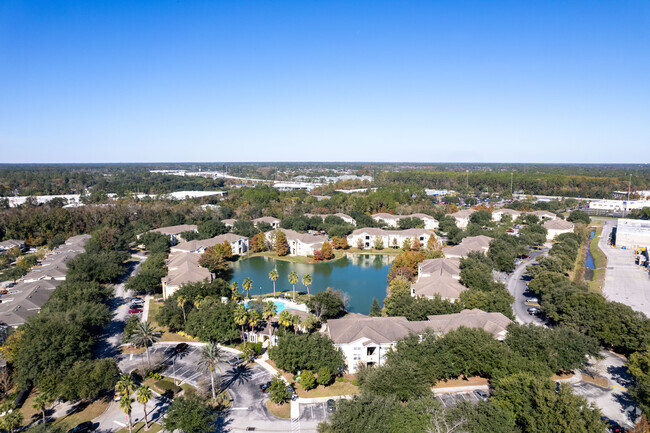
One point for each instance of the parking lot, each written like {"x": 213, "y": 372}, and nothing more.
{"x": 452, "y": 399}
{"x": 313, "y": 412}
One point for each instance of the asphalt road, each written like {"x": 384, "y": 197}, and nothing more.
{"x": 108, "y": 345}
{"x": 624, "y": 281}
{"x": 516, "y": 285}
{"x": 614, "y": 402}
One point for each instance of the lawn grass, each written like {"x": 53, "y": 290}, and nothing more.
{"x": 89, "y": 413}
{"x": 279, "y": 410}
{"x": 29, "y": 413}
{"x": 295, "y": 259}
{"x": 154, "y": 307}
{"x": 342, "y": 386}
{"x": 600, "y": 259}
{"x": 469, "y": 381}
{"x": 139, "y": 428}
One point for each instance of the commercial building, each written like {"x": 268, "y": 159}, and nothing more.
{"x": 556, "y": 227}
{"x": 632, "y": 234}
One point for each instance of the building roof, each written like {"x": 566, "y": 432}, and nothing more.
{"x": 175, "y": 230}
{"x": 507, "y": 211}
{"x": 463, "y": 213}
{"x": 383, "y": 330}
{"x": 473, "y": 243}
{"x": 229, "y": 221}
{"x": 10, "y": 243}
{"x": 443, "y": 266}
{"x": 438, "y": 284}
{"x": 543, "y": 213}
{"x": 494, "y": 323}
{"x": 558, "y": 224}
{"x": 389, "y": 216}
{"x": 323, "y": 216}
{"x": 184, "y": 268}
{"x": 25, "y": 300}
{"x": 305, "y": 238}
{"x": 375, "y": 231}
{"x": 202, "y": 244}
{"x": 266, "y": 219}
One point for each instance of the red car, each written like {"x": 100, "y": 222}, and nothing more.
{"x": 135, "y": 311}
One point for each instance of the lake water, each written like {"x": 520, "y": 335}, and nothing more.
{"x": 589, "y": 261}
{"x": 360, "y": 276}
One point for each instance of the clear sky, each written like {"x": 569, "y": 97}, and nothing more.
{"x": 355, "y": 80}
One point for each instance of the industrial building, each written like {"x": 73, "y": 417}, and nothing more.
{"x": 632, "y": 234}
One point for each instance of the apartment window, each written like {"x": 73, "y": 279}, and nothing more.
{"x": 356, "y": 358}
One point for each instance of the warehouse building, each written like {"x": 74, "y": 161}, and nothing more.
{"x": 632, "y": 234}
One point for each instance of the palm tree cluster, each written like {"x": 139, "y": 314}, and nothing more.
{"x": 126, "y": 386}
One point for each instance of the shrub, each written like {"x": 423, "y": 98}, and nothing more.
{"x": 307, "y": 380}
{"x": 324, "y": 376}
{"x": 278, "y": 392}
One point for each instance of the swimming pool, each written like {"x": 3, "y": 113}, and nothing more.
{"x": 280, "y": 305}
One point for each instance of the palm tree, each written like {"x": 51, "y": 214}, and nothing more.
{"x": 126, "y": 404}
{"x": 254, "y": 318}
{"x": 296, "y": 321}
{"x": 197, "y": 302}
{"x": 241, "y": 318}
{"x": 270, "y": 310}
{"x": 293, "y": 280}
{"x": 143, "y": 335}
{"x": 125, "y": 387}
{"x": 211, "y": 357}
{"x": 180, "y": 302}
{"x": 285, "y": 319}
{"x": 247, "y": 285}
{"x": 306, "y": 281}
{"x": 144, "y": 395}
{"x": 235, "y": 290}
{"x": 273, "y": 275}
{"x": 41, "y": 402}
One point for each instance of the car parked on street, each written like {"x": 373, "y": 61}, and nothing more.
{"x": 135, "y": 311}
{"x": 180, "y": 347}
{"x": 83, "y": 427}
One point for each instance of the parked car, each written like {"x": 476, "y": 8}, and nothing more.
{"x": 331, "y": 405}
{"x": 533, "y": 311}
{"x": 265, "y": 386}
{"x": 234, "y": 362}
{"x": 180, "y": 347}
{"x": 533, "y": 300}
{"x": 83, "y": 427}
{"x": 612, "y": 426}
{"x": 482, "y": 395}
{"x": 136, "y": 300}
{"x": 135, "y": 311}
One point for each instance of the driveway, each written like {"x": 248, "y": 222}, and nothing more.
{"x": 614, "y": 402}
{"x": 624, "y": 281}
{"x": 114, "y": 418}
{"x": 108, "y": 344}
{"x": 516, "y": 285}
{"x": 248, "y": 410}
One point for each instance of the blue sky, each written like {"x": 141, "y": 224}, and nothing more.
{"x": 483, "y": 81}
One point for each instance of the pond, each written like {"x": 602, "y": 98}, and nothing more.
{"x": 361, "y": 277}
{"x": 589, "y": 261}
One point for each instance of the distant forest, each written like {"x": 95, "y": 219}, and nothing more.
{"x": 571, "y": 180}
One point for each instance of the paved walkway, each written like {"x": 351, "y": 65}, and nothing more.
{"x": 624, "y": 281}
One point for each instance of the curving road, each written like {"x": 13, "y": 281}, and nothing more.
{"x": 516, "y": 285}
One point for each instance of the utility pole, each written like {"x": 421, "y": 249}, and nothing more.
{"x": 629, "y": 188}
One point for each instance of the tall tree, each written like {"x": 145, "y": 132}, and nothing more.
{"x": 247, "y": 285}
{"x": 143, "y": 335}
{"x": 281, "y": 244}
{"x": 143, "y": 394}
{"x": 180, "y": 303}
{"x": 293, "y": 280}
{"x": 273, "y": 276}
{"x": 241, "y": 318}
{"x": 306, "y": 281}
{"x": 211, "y": 357}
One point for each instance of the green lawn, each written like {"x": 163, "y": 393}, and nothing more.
{"x": 139, "y": 428}
{"x": 87, "y": 413}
